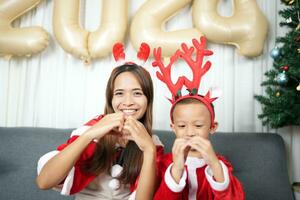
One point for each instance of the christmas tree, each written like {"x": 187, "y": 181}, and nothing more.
{"x": 281, "y": 102}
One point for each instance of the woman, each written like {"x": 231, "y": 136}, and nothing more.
{"x": 105, "y": 158}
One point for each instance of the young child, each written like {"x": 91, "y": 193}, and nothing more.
{"x": 112, "y": 156}
{"x": 193, "y": 170}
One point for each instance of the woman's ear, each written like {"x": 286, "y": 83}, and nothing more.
{"x": 214, "y": 128}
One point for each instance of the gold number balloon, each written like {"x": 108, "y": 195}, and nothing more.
{"x": 19, "y": 41}
{"x": 82, "y": 43}
{"x": 113, "y": 28}
{"x": 246, "y": 28}
{"x": 147, "y": 26}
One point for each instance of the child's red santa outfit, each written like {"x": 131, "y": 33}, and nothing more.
{"x": 197, "y": 181}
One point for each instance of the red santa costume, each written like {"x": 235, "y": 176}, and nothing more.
{"x": 197, "y": 181}
{"x": 87, "y": 186}
{"x": 104, "y": 186}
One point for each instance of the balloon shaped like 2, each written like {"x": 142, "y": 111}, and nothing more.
{"x": 82, "y": 43}
{"x": 246, "y": 28}
{"x": 148, "y": 22}
{"x": 19, "y": 41}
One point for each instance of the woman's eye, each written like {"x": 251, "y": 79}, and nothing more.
{"x": 138, "y": 93}
{"x": 118, "y": 93}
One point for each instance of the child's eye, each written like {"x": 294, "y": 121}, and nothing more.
{"x": 198, "y": 126}
{"x": 181, "y": 126}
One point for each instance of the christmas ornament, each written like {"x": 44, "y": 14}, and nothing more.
{"x": 291, "y": 2}
{"x": 277, "y": 94}
{"x": 282, "y": 78}
{"x": 298, "y": 27}
{"x": 298, "y": 87}
{"x": 298, "y": 50}
{"x": 289, "y": 20}
{"x": 275, "y": 52}
{"x": 285, "y": 68}
{"x": 288, "y": 2}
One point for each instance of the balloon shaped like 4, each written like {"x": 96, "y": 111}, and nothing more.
{"x": 19, "y": 41}
{"x": 148, "y": 22}
{"x": 246, "y": 28}
{"x": 82, "y": 43}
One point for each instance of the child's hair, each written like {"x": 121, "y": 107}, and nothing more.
{"x": 186, "y": 101}
{"x": 132, "y": 156}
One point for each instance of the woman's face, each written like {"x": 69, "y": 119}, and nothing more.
{"x": 128, "y": 96}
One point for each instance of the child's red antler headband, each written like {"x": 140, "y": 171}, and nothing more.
{"x": 119, "y": 55}
{"x": 198, "y": 70}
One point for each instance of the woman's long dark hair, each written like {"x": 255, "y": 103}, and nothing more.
{"x": 104, "y": 156}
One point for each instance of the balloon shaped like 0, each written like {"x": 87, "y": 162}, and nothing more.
{"x": 82, "y": 43}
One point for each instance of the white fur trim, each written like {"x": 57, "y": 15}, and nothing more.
{"x": 44, "y": 159}
{"x": 215, "y": 92}
{"x": 114, "y": 184}
{"x": 132, "y": 195}
{"x": 193, "y": 163}
{"x": 79, "y": 131}
{"x": 68, "y": 183}
{"x": 116, "y": 170}
{"x": 216, "y": 185}
{"x": 172, "y": 185}
{"x": 156, "y": 140}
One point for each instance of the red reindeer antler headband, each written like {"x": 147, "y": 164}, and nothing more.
{"x": 142, "y": 55}
{"x": 185, "y": 53}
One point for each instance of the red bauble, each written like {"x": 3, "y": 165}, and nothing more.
{"x": 285, "y": 68}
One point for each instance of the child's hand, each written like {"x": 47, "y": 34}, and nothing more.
{"x": 134, "y": 130}
{"x": 205, "y": 148}
{"x": 180, "y": 151}
{"x": 111, "y": 122}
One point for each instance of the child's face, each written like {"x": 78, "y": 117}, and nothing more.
{"x": 192, "y": 119}
{"x": 128, "y": 96}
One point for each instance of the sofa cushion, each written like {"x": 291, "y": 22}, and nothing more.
{"x": 20, "y": 149}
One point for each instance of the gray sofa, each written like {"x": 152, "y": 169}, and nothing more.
{"x": 259, "y": 161}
